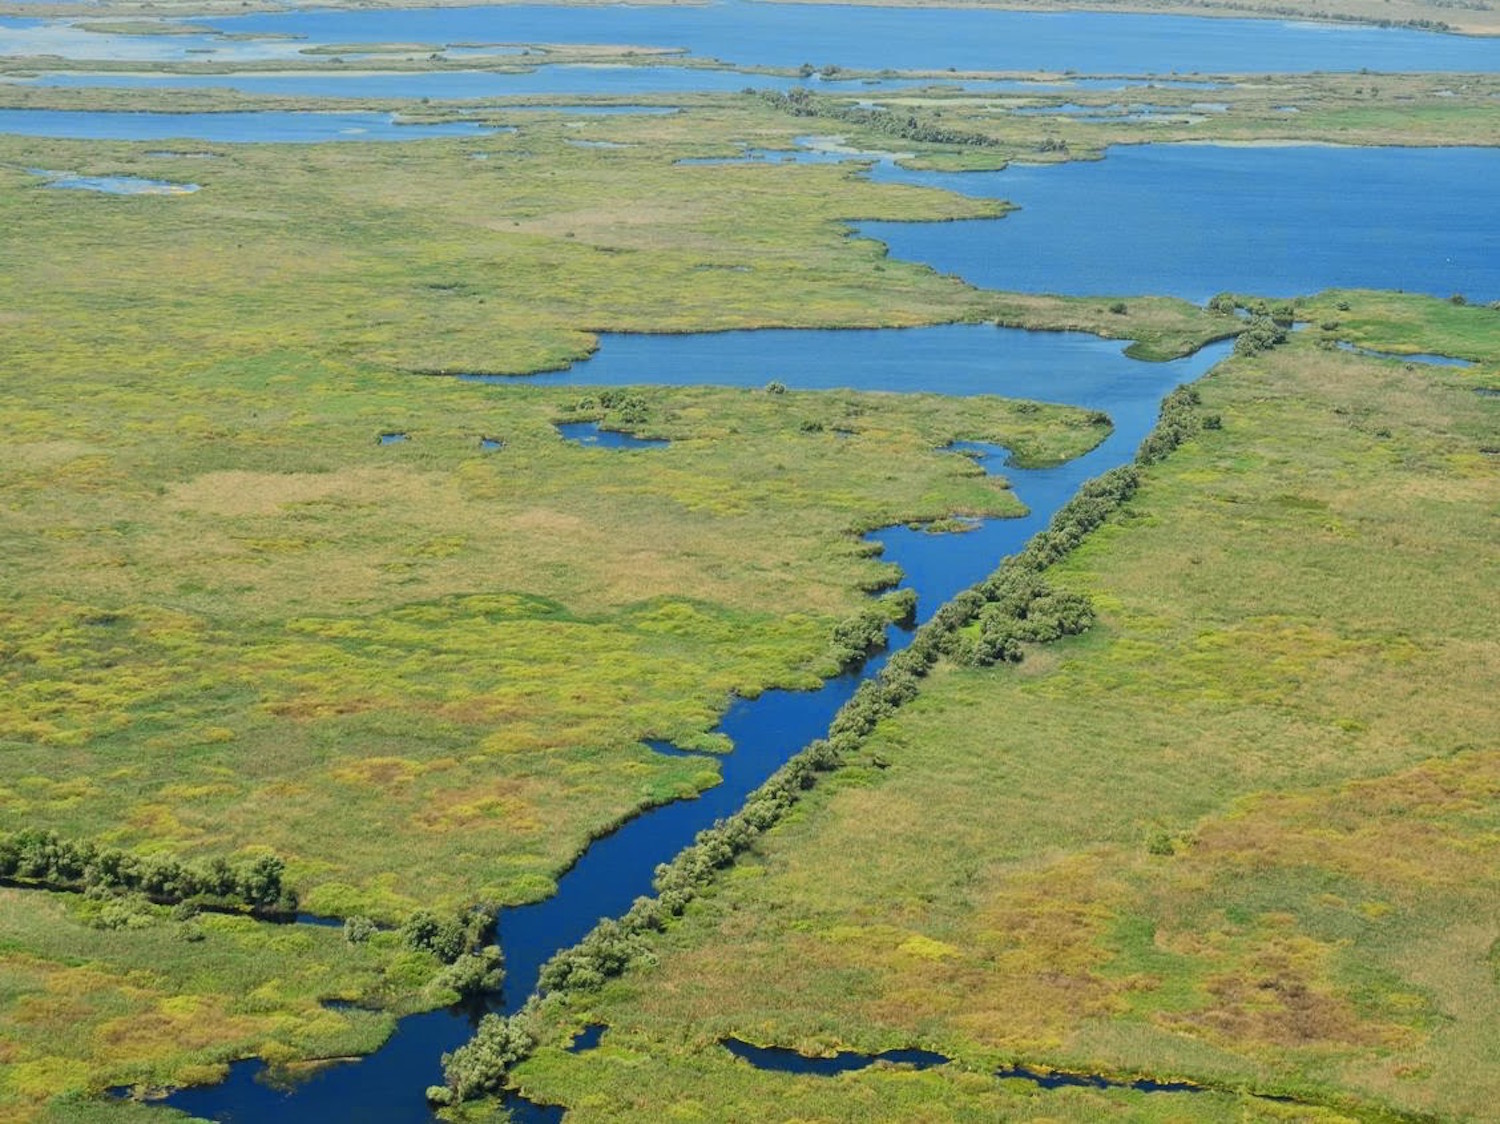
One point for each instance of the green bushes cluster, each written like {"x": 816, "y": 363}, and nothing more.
{"x": 479, "y": 1065}
{"x": 984, "y": 624}
{"x": 463, "y": 943}
{"x": 1030, "y": 612}
{"x": 1180, "y": 419}
{"x": 802, "y": 103}
{"x": 1264, "y": 333}
{"x": 857, "y": 636}
{"x": 44, "y": 859}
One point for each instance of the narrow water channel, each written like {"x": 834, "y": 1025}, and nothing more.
{"x": 387, "y": 1088}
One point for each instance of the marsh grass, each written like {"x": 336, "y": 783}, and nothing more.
{"x": 1240, "y": 833}
{"x": 234, "y": 619}
{"x": 460, "y": 649}
{"x": 420, "y": 672}
{"x": 174, "y": 1000}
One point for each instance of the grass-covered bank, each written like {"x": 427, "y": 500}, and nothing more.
{"x": 1240, "y": 832}
{"x": 422, "y": 672}
{"x": 419, "y": 672}
{"x": 102, "y": 993}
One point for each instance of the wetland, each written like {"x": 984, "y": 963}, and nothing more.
{"x": 438, "y": 674}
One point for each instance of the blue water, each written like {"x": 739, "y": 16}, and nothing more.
{"x": 546, "y": 80}
{"x": 393, "y": 438}
{"x": 227, "y": 128}
{"x": 587, "y": 1038}
{"x": 1052, "y": 1079}
{"x": 1194, "y": 220}
{"x": 845, "y": 1061}
{"x": 1413, "y": 357}
{"x": 781, "y": 1060}
{"x": 746, "y": 33}
{"x": 114, "y": 185}
{"x": 955, "y": 359}
{"x": 590, "y": 435}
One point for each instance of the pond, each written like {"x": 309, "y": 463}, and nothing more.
{"x": 590, "y": 435}
{"x": 113, "y": 185}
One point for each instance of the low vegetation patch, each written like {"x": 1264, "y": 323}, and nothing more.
{"x": 1209, "y": 839}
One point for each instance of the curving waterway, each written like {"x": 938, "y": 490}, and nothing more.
{"x": 955, "y": 359}
{"x": 388, "y": 1087}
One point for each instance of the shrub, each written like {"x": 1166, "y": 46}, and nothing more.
{"x": 479, "y": 1066}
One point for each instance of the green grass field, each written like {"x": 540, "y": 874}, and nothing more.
{"x": 1242, "y": 833}
{"x": 422, "y": 672}
{"x": 158, "y": 1000}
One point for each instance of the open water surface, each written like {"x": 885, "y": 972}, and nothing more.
{"x": 554, "y": 79}
{"x": 746, "y": 32}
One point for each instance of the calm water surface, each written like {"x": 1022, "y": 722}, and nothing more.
{"x": 1195, "y": 220}
{"x": 747, "y": 33}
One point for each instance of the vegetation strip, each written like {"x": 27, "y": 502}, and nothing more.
{"x": 41, "y": 859}
{"x": 980, "y": 626}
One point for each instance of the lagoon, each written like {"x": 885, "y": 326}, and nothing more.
{"x": 749, "y": 33}
{"x": 1195, "y": 220}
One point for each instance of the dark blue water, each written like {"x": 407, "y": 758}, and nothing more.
{"x": 393, "y": 438}
{"x": 590, "y": 435}
{"x": 1052, "y": 1079}
{"x": 1194, "y": 220}
{"x": 747, "y": 33}
{"x": 845, "y": 1061}
{"x": 781, "y": 1060}
{"x": 278, "y": 126}
{"x": 587, "y": 1038}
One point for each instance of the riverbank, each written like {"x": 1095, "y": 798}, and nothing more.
{"x": 1198, "y": 888}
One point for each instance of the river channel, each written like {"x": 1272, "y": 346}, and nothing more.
{"x": 956, "y": 359}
